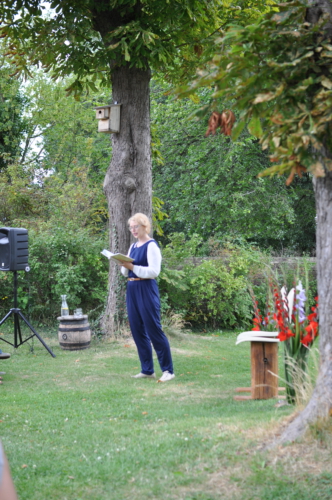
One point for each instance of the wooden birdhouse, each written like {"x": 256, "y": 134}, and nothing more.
{"x": 108, "y": 118}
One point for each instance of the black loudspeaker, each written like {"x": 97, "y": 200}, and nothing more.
{"x": 14, "y": 251}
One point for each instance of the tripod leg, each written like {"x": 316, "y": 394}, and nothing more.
{"x": 35, "y": 333}
{"x": 17, "y": 330}
{"x": 9, "y": 313}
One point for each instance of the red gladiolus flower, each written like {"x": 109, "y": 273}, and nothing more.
{"x": 257, "y": 319}
{"x": 312, "y": 328}
{"x": 285, "y": 334}
{"x": 282, "y": 336}
{"x": 307, "y": 340}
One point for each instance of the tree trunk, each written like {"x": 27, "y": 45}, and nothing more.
{"x": 128, "y": 182}
{"x": 320, "y": 404}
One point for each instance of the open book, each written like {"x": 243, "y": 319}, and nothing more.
{"x": 117, "y": 256}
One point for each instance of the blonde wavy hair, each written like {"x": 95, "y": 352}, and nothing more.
{"x": 142, "y": 220}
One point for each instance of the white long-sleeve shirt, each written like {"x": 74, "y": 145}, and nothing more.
{"x": 154, "y": 263}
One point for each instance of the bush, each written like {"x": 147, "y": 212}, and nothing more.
{"x": 211, "y": 292}
{"x": 214, "y": 291}
{"x": 218, "y": 296}
{"x": 62, "y": 262}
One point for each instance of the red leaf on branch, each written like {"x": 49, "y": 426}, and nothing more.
{"x": 297, "y": 169}
{"x": 213, "y": 124}
{"x": 227, "y": 120}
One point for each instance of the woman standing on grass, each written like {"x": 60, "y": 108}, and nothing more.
{"x": 143, "y": 303}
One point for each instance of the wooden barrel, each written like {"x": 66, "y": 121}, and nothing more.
{"x": 74, "y": 332}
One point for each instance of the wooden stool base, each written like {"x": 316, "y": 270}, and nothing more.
{"x": 264, "y": 365}
{"x": 248, "y": 389}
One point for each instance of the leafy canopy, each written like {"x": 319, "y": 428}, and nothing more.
{"x": 278, "y": 73}
{"x": 12, "y": 123}
{"x": 86, "y": 37}
{"x": 63, "y": 131}
{"x": 89, "y": 38}
{"x": 210, "y": 185}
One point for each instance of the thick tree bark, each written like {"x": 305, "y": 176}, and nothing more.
{"x": 128, "y": 182}
{"x": 320, "y": 404}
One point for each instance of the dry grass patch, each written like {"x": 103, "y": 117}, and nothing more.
{"x": 302, "y": 459}
{"x": 218, "y": 486}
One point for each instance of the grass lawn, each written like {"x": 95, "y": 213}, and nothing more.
{"x": 77, "y": 427}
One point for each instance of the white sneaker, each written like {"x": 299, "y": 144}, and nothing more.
{"x": 143, "y": 375}
{"x": 166, "y": 376}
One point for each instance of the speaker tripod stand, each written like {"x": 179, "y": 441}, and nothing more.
{"x": 16, "y": 313}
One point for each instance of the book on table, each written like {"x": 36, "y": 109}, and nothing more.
{"x": 117, "y": 256}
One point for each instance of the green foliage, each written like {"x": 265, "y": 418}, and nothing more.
{"x": 71, "y": 202}
{"x": 62, "y": 164}
{"x": 12, "y": 124}
{"x": 210, "y": 185}
{"x": 157, "y": 214}
{"x": 59, "y": 174}
{"x": 62, "y": 262}
{"x": 63, "y": 133}
{"x": 20, "y": 198}
{"x": 180, "y": 248}
{"x": 287, "y": 101}
{"x": 88, "y": 38}
{"x": 215, "y": 291}
{"x": 65, "y": 218}
{"x": 218, "y": 294}
{"x": 210, "y": 292}
{"x": 97, "y": 33}
{"x": 75, "y": 201}
{"x": 68, "y": 263}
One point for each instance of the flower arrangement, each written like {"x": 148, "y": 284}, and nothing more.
{"x": 296, "y": 329}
